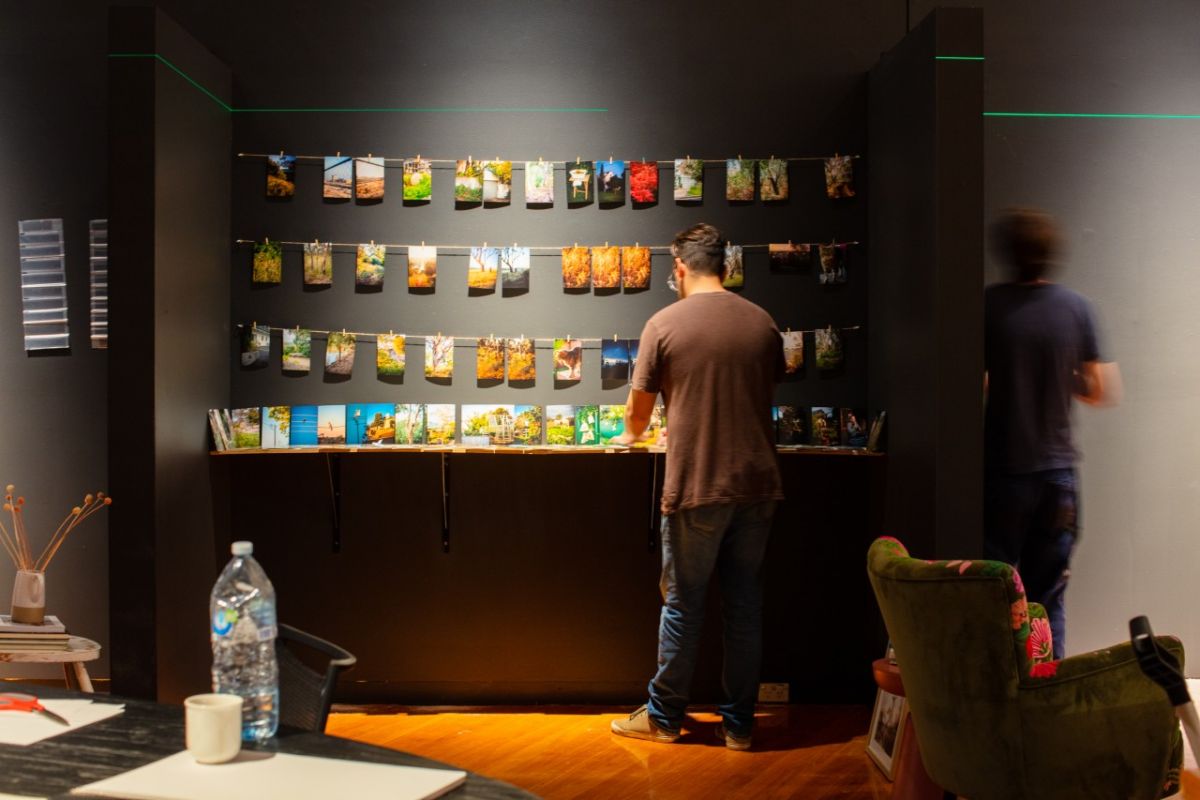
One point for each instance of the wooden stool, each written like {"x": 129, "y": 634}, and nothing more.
{"x": 78, "y": 651}
{"x": 912, "y": 782}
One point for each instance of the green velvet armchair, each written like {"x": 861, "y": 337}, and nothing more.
{"x": 996, "y": 717}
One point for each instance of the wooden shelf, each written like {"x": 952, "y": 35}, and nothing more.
{"x": 853, "y": 452}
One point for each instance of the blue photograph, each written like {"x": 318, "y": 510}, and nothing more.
{"x": 610, "y": 182}
{"x": 304, "y": 426}
{"x": 614, "y": 360}
{"x": 370, "y": 423}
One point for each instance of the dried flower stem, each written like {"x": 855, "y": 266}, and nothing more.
{"x": 16, "y": 542}
{"x": 90, "y": 506}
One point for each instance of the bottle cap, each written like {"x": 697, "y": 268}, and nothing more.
{"x": 242, "y": 548}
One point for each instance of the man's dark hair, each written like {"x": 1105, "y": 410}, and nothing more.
{"x": 701, "y": 248}
{"x": 1029, "y": 240}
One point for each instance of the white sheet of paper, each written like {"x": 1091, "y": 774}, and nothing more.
{"x": 274, "y": 776}
{"x": 23, "y": 727}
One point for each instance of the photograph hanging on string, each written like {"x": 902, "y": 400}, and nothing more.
{"x": 281, "y": 176}
{"x": 739, "y": 179}
{"x": 560, "y": 424}
{"x": 389, "y": 355}
{"x": 276, "y": 422}
{"x": 331, "y": 424}
{"x": 788, "y": 258}
{"x": 422, "y": 267}
{"x": 793, "y": 351}
{"x": 522, "y": 360}
{"x": 633, "y": 345}
{"x": 368, "y": 178}
{"x": 614, "y": 360}
{"x": 828, "y": 348}
{"x": 410, "y": 423}
{"x": 576, "y": 267}
{"x": 839, "y": 177}
{"x": 439, "y": 423}
{"x": 612, "y": 423}
{"x": 268, "y": 262}
{"x": 587, "y": 425}
{"x": 689, "y": 180}
{"x": 579, "y": 182}
{"x": 643, "y": 182}
{"x": 418, "y": 180}
{"x": 246, "y": 424}
{"x": 773, "y": 180}
{"x": 338, "y": 183}
{"x": 318, "y": 263}
{"x": 370, "y": 423}
{"x": 482, "y": 267}
{"x": 606, "y": 267}
{"x": 256, "y": 345}
{"x": 303, "y": 427}
{"x": 790, "y": 429}
{"x": 635, "y": 267}
{"x": 439, "y": 357}
{"x": 539, "y": 183}
{"x": 297, "y": 350}
{"x": 489, "y": 359}
{"x": 339, "y": 353}
{"x": 568, "y": 359}
{"x": 854, "y": 427}
{"x": 824, "y": 427}
{"x": 735, "y": 271}
{"x": 610, "y": 182}
{"x": 497, "y": 183}
{"x": 468, "y": 181}
{"x": 514, "y": 268}
{"x": 487, "y": 425}
{"x": 369, "y": 265}
{"x": 833, "y": 263}
{"x": 527, "y": 425}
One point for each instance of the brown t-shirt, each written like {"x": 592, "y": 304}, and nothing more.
{"x": 715, "y": 357}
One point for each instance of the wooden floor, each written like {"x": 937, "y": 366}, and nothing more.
{"x": 810, "y": 752}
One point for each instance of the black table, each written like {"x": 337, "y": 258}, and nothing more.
{"x": 149, "y": 731}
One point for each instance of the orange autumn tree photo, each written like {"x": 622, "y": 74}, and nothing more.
{"x": 489, "y": 359}
{"x": 576, "y": 267}
{"x": 522, "y": 362}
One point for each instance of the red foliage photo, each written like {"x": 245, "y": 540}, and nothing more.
{"x": 643, "y": 181}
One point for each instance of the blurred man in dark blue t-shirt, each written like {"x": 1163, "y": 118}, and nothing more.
{"x": 1040, "y": 351}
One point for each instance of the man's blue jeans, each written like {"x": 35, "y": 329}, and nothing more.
{"x": 732, "y": 539}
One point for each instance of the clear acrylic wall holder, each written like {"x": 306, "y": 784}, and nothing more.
{"x": 98, "y": 264}
{"x": 43, "y": 284}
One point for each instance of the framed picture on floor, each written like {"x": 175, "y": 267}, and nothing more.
{"x": 887, "y": 726}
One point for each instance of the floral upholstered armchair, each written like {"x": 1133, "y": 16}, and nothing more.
{"x": 994, "y": 715}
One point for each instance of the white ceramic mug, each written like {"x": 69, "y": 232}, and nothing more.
{"x": 214, "y": 727}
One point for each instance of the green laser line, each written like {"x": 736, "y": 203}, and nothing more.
{"x": 1064, "y": 115}
{"x": 958, "y": 58}
{"x": 368, "y": 110}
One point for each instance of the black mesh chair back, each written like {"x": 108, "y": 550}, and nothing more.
{"x": 308, "y": 672}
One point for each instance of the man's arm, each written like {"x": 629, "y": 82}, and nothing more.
{"x": 1099, "y": 383}
{"x": 638, "y": 409}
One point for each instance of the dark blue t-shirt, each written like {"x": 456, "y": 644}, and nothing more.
{"x": 1036, "y": 339}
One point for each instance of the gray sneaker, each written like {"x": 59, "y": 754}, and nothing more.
{"x": 640, "y": 726}
{"x": 732, "y": 741}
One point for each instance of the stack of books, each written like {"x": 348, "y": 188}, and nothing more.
{"x": 50, "y": 635}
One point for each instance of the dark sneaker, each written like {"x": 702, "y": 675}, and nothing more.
{"x": 732, "y": 741}
{"x": 640, "y": 726}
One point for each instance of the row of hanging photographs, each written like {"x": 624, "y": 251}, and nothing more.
{"x": 489, "y": 183}
{"x": 608, "y": 267}
{"x": 491, "y": 425}
{"x": 495, "y": 358}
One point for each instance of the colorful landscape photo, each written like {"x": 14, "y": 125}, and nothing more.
{"x": 439, "y": 423}
{"x": 468, "y": 181}
{"x": 268, "y": 262}
{"x": 281, "y": 176}
{"x": 824, "y": 429}
{"x": 735, "y": 272}
{"x": 339, "y": 353}
{"x": 606, "y": 267}
{"x": 643, "y": 182}
{"x": 418, "y": 179}
{"x": 612, "y": 423}
{"x": 614, "y": 360}
{"x": 610, "y": 182}
{"x": 497, "y": 182}
{"x": 829, "y": 348}
{"x": 793, "y": 350}
{"x": 514, "y": 268}
{"x": 656, "y": 430}
{"x": 297, "y": 350}
{"x": 439, "y": 357}
{"x": 568, "y": 359}
{"x": 790, "y": 427}
{"x": 576, "y": 267}
{"x": 338, "y": 183}
{"x": 246, "y": 424}
{"x": 789, "y": 258}
{"x": 368, "y": 269}
{"x": 560, "y": 424}
{"x": 256, "y": 345}
{"x": 587, "y": 425}
{"x": 422, "y": 267}
{"x": 276, "y": 422}
{"x": 303, "y": 427}
{"x": 579, "y": 182}
{"x": 739, "y": 179}
{"x": 389, "y": 355}
{"x": 331, "y": 424}
{"x": 527, "y": 425}
{"x": 318, "y": 263}
{"x": 539, "y": 183}
{"x": 839, "y": 177}
{"x": 635, "y": 267}
{"x": 855, "y": 427}
{"x": 368, "y": 178}
{"x": 522, "y": 360}
{"x": 410, "y": 423}
{"x": 489, "y": 359}
{"x": 689, "y": 180}
{"x": 482, "y": 268}
{"x": 487, "y": 425}
{"x": 370, "y": 423}
{"x": 833, "y": 263}
{"x": 773, "y": 179}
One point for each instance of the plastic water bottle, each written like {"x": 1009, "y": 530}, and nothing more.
{"x": 242, "y": 612}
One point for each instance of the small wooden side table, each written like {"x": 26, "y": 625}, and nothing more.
{"x": 78, "y": 651}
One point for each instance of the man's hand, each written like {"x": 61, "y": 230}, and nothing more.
{"x": 627, "y": 439}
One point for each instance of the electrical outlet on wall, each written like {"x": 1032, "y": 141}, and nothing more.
{"x": 772, "y": 693}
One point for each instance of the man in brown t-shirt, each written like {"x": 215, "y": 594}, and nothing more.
{"x": 715, "y": 357}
